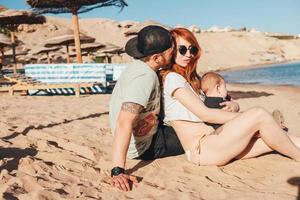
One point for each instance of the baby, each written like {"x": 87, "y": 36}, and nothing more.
{"x": 214, "y": 87}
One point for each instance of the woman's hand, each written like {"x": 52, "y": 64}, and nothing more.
{"x": 230, "y": 106}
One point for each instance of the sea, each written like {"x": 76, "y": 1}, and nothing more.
{"x": 276, "y": 74}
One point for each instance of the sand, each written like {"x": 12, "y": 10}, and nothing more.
{"x": 59, "y": 147}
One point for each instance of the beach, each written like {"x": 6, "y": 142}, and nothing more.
{"x": 55, "y": 147}
{"x": 59, "y": 147}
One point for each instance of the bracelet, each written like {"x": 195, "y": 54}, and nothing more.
{"x": 116, "y": 171}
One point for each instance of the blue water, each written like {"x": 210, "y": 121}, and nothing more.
{"x": 279, "y": 74}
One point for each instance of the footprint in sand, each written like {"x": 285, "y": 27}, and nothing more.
{"x": 26, "y": 166}
{"x": 72, "y": 190}
{"x": 156, "y": 164}
{"x": 30, "y": 184}
{"x": 80, "y": 150}
{"x": 91, "y": 192}
{"x": 154, "y": 185}
{"x": 49, "y": 195}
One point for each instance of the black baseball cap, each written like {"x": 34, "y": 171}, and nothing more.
{"x": 149, "y": 40}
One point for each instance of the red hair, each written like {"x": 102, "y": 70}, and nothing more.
{"x": 188, "y": 72}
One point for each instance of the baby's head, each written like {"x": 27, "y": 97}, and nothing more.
{"x": 213, "y": 85}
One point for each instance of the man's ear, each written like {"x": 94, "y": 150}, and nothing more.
{"x": 155, "y": 58}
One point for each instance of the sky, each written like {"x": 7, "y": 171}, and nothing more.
{"x": 264, "y": 15}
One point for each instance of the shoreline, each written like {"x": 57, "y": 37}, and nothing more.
{"x": 265, "y": 86}
{"x": 262, "y": 66}
{"x": 257, "y": 66}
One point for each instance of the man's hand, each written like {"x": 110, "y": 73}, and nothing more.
{"x": 123, "y": 181}
{"x": 124, "y": 127}
{"x": 230, "y": 106}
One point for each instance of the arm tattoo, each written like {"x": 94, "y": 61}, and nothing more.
{"x": 133, "y": 108}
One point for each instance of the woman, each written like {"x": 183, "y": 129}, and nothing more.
{"x": 243, "y": 135}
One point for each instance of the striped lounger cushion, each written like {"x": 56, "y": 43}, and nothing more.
{"x": 74, "y": 73}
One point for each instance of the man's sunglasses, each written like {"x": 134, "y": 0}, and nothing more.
{"x": 183, "y": 49}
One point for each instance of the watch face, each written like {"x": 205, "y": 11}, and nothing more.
{"x": 116, "y": 171}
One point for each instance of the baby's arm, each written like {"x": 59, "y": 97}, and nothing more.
{"x": 230, "y": 106}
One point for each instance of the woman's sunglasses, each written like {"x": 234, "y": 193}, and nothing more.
{"x": 183, "y": 49}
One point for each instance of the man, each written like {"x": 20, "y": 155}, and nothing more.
{"x": 135, "y": 105}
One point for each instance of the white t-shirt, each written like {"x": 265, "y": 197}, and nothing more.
{"x": 137, "y": 84}
{"x": 173, "y": 109}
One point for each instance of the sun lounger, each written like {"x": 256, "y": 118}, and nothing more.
{"x": 92, "y": 74}
{"x": 23, "y": 83}
{"x": 65, "y": 79}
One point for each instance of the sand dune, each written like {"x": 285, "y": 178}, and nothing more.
{"x": 220, "y": 50}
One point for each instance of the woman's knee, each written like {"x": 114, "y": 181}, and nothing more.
{"x": 259, "y": 114}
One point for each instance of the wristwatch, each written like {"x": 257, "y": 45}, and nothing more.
{"x": 116, "y": 171}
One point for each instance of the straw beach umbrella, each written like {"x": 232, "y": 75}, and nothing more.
{"x": 66, "y": 38}
{"x": 28, "y": 58}
{"x": 17, "y": 17}
{"x": 2, "y": 8}
{"x": 73, "y": 54}
{"x": 74, "y": 7}
{"x": 47, "y": 50}
{"x": 12, "y": 18}
{"x": 109, "y": 50}
{"x": 3, "y": 29}
{"x": 91, "y": 47}
{"x": 18, "y": 52}
{"x": 134, "y": 29}
{"x": 4, "y": 40}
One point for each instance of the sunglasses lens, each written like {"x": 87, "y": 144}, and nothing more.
{"x": 194, "y": 50}
{"x": 182, "y": 50}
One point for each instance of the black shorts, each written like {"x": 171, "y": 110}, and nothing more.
{"x": 164, "y": 143}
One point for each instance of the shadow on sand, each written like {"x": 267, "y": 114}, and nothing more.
{"x": 15, "y": 154}
{"x": 39, "y": 127}
{"x": 139, "y": 165}
{"x": 295, "y": 181}
{"x": 249, "y": 94}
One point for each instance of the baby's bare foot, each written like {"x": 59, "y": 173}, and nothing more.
{"x": 278, "y": 116}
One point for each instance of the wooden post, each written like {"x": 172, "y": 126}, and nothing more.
{"x": 1, "y": 58}
{"x": 89, "y": 56}
{"x": 68, "y": 55}
{"x": 77, "y": 90}
{"x": 48, "y": 59}
{"x": 13, "y": 45}
{"x": 76, "y": 35}
{"x": 11, "y": 91}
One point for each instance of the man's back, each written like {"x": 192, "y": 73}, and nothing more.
{"x": 138, "y": 84}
